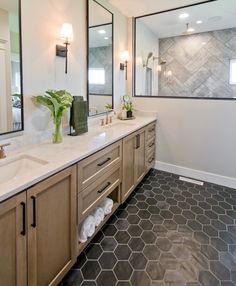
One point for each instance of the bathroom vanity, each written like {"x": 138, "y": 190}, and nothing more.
{"x": 40, "y": 218}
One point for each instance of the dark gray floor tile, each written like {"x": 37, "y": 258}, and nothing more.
{"x": 210, "y": 252}
{"x": 219, "y": 270}
{"x": 138, "y": 261}
{"x": 123, "y": 270}
{"x": 155, "y": 270}
{"x": 122, "y": 237}
{"x": 106, "y": 278}
{"x": 168, "y": 232}
{"x": 152, "y": 252}
{"x": 107, "y": 260}
{"x": 140, "y": 278}
{"x": 90, "y": 270}
{"x": 123, "y": 252}
{"x": 206, "y": 278}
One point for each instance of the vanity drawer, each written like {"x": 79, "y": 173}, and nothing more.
{"x": 95, "y": 166}
{"x": 150, "y": 161}
{"x": 90, "y": 197}
{"x": 150, "y": 131}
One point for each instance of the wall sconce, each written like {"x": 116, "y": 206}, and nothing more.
{"x": 67, "y": 36}
{"x": 124, "y": 56}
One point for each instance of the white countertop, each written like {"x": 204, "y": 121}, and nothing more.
{"x": 69, "y": 152}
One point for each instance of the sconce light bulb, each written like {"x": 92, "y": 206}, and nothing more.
{"x": 67, "y": 34}
{"x": 124, "y": 56}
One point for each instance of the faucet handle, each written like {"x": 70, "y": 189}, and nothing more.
{"x": 4, "y": 145}
{"x": 102, "y": 122}
{"x": 2, "y": 151}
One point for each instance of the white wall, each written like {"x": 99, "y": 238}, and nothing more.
{"x": 42, "y": 70}
{"x": 195, "y": 134}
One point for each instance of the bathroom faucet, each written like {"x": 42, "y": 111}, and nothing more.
{"x": 2, "y": 150}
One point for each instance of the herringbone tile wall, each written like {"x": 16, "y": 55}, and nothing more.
{"x": 200, "y": 64}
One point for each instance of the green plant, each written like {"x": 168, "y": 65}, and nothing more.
{"x": 108, "y": 106}
{"x": 58, "y": 102}
{"x": 128, "y": 106}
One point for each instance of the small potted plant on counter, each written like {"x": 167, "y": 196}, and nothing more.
{"x": 58, "y": 102}
{"x": 128, "y": 106}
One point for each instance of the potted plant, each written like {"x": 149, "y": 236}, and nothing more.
{"x": 128, "y": 106}
{"x": 58, "y": 102}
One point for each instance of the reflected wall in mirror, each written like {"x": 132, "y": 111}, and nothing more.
{"x": 188, "y": 52}
{"x": 100, "y": 58}
{"x": 11, "y": 101}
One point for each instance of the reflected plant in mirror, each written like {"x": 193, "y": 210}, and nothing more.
{"x": 11, "y": 97}
{"x": 187, "y": 52}
{"x": 100, "y": 57}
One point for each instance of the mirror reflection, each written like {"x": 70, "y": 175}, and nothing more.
{"x": 10, "y": 68}
{"x": 189, "y": 52}
{"x": 100, "y": 58}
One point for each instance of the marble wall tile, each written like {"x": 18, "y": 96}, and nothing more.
{"x": 200, "y": 64}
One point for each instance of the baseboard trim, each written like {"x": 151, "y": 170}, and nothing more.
{"x": 196, "y": 174}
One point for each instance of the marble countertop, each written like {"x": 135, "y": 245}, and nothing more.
{"x": 72, "y": 150}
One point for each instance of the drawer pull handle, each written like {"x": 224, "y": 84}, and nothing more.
{"x": 103, "y": 189}
{"x": 34, "y": 211}
{"x": 23, "y": 232}
{"x": 137, "y": 141}
{"x": 152, "y": 144}
{"x": 150, "y": 160}
{"x": 104, "y": 162}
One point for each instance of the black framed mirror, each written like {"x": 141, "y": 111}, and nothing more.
{"x": 187, "y": 52}
{"x": 11, "y": 90}
{"x": 100, "y": 58}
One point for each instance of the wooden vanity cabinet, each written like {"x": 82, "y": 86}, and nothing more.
{"x": 52, "y": 228}
{"x": 134, "y": 164}
{"x": 150, "y": 149}
{"x": 138, "y": 157}
{"x": 13, "y": 269}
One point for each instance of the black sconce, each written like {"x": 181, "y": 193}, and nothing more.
{"x": 125, "y": 58}
{"x": 66, "y": 36}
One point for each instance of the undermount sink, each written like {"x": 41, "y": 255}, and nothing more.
{"x": 118, "y": 124}
{"x": 11, "y": 168}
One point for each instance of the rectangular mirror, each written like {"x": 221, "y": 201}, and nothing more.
{"x": 11, "y": 96}
{"x": 100, "y": 58}
{"x": 187, "y": 52}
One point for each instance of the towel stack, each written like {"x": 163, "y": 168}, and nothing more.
{"x": 88, "y": 226}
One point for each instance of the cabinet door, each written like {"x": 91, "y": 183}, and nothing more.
{"x": 139, "y": 162}
{"x": 128, "y": 182}
{"x": 13, "y": 241}
{"x": 52, "y": 228}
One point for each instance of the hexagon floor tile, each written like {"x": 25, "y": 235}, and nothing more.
{"x": 168, "y": 232}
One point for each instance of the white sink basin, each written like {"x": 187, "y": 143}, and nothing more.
{"x": 118, "y": 124}
{"x": 18, "y": 166}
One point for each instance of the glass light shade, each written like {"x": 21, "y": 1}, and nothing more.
{"x": 67, "y": 32}
{"x": 124, "y": 56}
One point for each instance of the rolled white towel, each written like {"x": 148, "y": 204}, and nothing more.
{"x": 107, "y": 206}
{"x": 98, "y": 216}
{"x": 87, "y": 229}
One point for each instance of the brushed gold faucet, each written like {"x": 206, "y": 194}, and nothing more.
{"x": 2, "y": 150}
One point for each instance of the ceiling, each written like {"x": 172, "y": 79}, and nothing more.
{"x": 134, "y": 8}
{"x": 217, "y": 15}
{"x": 100, "y": 40}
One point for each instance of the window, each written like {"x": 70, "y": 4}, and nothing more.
{"x": 232, "y": 71}
{"x": 97, "y": 76}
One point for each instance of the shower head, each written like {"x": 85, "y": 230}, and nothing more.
{"x": 148, "y": 58}
{"x": 162, "y": 62}
{"x": 149, "y": 55}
